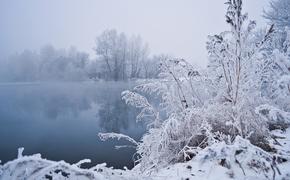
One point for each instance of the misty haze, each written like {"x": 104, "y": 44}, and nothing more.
{"x": 167, "y": 89}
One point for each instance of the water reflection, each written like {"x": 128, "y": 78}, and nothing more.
{"x": 114, "y": 116}
{"x": 61, "y": 121}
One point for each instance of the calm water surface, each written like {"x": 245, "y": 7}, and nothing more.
{"x": 61, "y": 121}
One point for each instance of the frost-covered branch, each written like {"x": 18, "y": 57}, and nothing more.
{"x": 106, "y": 136}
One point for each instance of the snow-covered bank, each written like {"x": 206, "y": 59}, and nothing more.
{"x": 241, "y": 160}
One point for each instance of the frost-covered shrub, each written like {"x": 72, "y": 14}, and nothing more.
{"x": 278, "y": 13}
{"x": 276, "y": 82}
{"x": 184, "y": 129}
{"x": 276, "y": 85}
{"x": 218, "y": 104}
{"x": 237, "y": 67}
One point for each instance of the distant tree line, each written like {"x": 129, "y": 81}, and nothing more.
{"x": 118, "y": 58}
{"x": 48, "y": 64}
{"x": 122, "y": 58}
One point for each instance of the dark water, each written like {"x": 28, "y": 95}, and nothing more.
{"x": 61, "y": 121}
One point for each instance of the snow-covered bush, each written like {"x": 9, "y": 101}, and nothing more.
{"x": 278, "y": 13}
{"x": 277, "y": 84}
{"x": 183, "y": 129}
{"x": 237, "y": 66}
{"x": 218, "y": 104}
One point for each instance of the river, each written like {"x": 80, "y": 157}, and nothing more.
{"x": 61, "y": 121}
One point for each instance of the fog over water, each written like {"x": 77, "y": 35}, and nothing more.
{"x": 176, "y": 27}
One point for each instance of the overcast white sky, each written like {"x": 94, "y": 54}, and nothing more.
{"x": 177, "y": 27}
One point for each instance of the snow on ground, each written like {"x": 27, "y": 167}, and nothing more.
{"x": 35, "y": 168}
{"x": 241, "y": 160}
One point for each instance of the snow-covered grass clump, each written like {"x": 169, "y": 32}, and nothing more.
{"x": 34, "y": 167}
